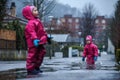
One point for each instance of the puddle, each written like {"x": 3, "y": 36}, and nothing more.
{"x": 98, "y": 66}
{"x": 21, "y": 73}
{"x": 11, "y": 74}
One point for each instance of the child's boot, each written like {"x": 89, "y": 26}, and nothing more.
{"x": 32, "y": 72}
{"x": 39, "y": 70}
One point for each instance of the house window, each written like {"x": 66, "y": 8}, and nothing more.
{"x": 96, "y": 21}
{"x": 70, "y": 20}
{"x": 77, "y": 20}
{"x": 58, "y": 22}
{"x": 103, "y": 21}
{"x": 63, "y": 20}
{"x": 77, "y": 27}
{"x": 104, "y": 26}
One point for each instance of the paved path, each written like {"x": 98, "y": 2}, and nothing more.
{"x": 66, "y": 68}
{"x": 78, "y": 75}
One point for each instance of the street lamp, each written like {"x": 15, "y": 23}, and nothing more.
{"x": 103, "y": 47}
{"x": 79, "y": 33}
{"x": 58, "y": 23}
{"x": 50, "y": 48}
{"x": 50, "y": 20}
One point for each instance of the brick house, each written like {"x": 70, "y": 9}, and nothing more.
{"x": 68, "y": 24}
{"x": 101, "y": 24}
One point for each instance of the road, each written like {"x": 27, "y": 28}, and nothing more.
{"x": 69, "y": 69}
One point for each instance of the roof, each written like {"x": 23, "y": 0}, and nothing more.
{"x": 9, "y": 18}
{"x": 59, "y": 37}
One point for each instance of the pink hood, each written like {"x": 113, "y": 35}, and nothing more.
{"x": 27, "y": 13}
{"x": 34, "y": 28}
{"x": 89, "y": 37}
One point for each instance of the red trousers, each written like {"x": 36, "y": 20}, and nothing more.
{"x": 35, "y": 57}
{"x": 90, "y": 62}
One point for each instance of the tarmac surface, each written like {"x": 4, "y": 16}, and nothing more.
{"x": 62, "y": 69}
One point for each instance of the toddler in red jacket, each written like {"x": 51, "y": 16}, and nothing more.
{"x": 90, "y": 52}
{"x": 36, "y": 37}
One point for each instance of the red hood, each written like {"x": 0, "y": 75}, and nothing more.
{"x": 89, "y": 37}
{"x": 27, "y": 13}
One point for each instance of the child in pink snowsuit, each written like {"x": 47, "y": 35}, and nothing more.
{"x": 91, "y": 52}
{"x": 36, "y": 37}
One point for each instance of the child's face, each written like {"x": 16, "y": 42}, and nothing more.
{"x": 35, "y": 12}
{"x": 88, "y": 41}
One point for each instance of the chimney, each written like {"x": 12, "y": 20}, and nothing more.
{"x": 13, "y": 9}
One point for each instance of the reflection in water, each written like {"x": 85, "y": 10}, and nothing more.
{"x": 12, "y": 74}
{"x": 21, "y": 73}
{"x": 7, "y": 75}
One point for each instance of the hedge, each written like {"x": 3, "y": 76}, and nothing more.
{"x": 117, "y": 54}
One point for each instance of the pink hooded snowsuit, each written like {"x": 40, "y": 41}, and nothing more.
{"x": 34, "y": 30}
{"x": 90, "y": 51}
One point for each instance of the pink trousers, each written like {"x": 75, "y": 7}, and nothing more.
{"x": 35, "y": 57}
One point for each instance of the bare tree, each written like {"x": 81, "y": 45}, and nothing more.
{"x": 115, "y": 27}
{"x": 115, "y": 31}
{"x": 44, "y": 6}
{"x": 2, "y": 9}
{"x": 88, "y": 15}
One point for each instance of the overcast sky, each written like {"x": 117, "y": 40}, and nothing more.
{"x": 104, "y": 7}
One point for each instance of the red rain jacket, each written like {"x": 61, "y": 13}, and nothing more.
{"x": 34, "y": 29}
{"x": 90, "y": 51}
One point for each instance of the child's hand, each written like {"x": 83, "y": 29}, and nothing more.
{"x": 49, "y": 40}
{"x": 36, "y": 42}
{"x": 83, "y": 58}
{"x": 95, "y": 58}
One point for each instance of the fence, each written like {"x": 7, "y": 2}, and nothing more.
{"x": 7, "y": 34}
{"x": 7, "y": 44}
{"x": 7, "y": 39}
{"x": 12, "y": 55}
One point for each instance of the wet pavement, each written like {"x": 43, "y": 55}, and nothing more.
{"x": 62, "y": 69}
{"x": 7, "y": 65}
